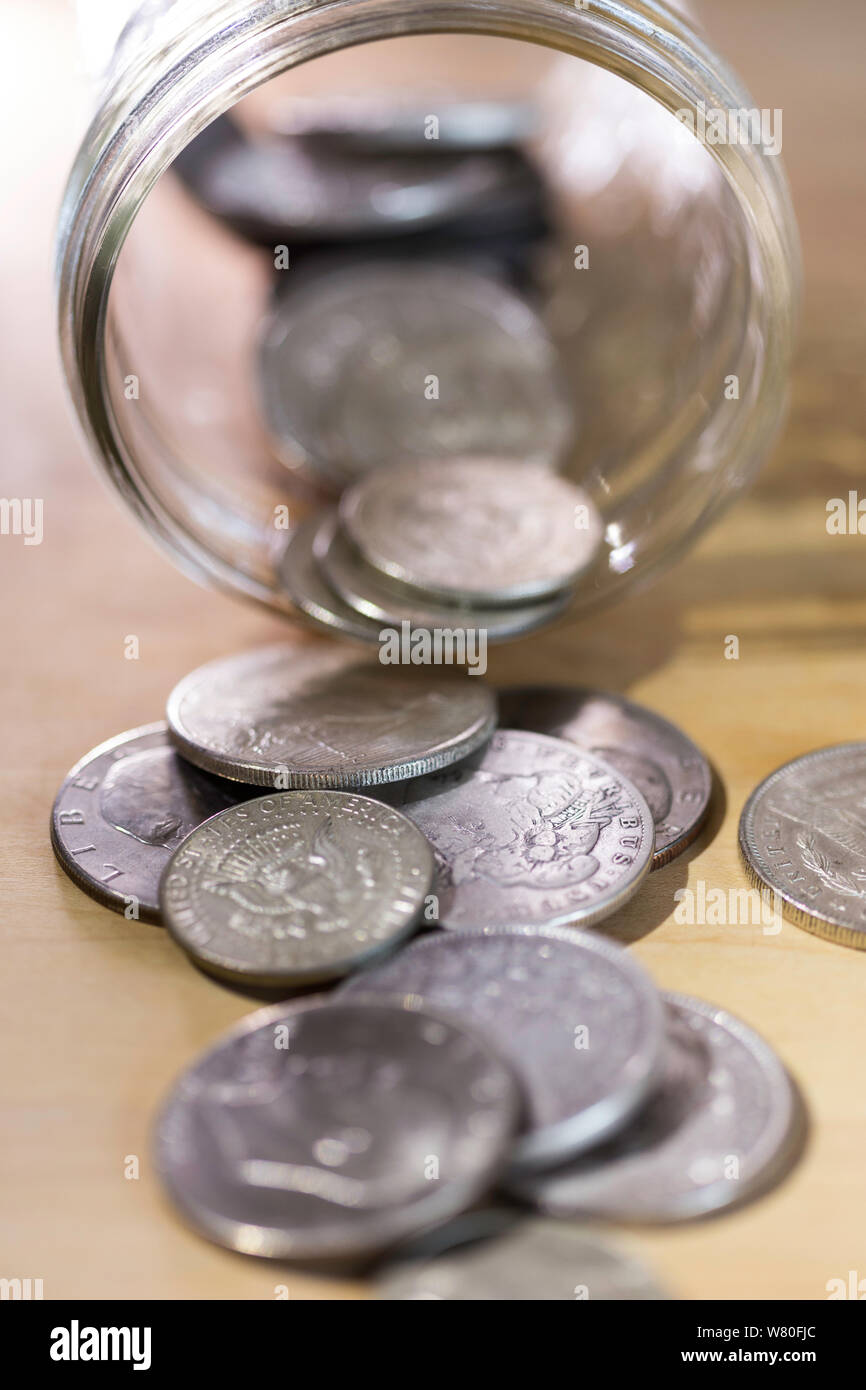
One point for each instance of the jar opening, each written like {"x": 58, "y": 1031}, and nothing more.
{"x": 661, "y": 271}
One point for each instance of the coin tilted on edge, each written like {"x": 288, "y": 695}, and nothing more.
{"x": 122, "y": 811}
{"x": 722, "y": 1121}
{"x": 578, "y": 1021}
{"x": 671, "y": 772}
{"x": 375, "y": 362}
{"x": 371, "y": 124}
{"x": 803, "y": 835}
{"x": 275, "y": 188}
{"x": 302, "y": 579}
{"x": 473, "y": 530}
{"x": 297, "y": 887}
{"x": 500, "y": 1255}
{"x": 331, "y": 1130}
{"x": 531, "y": 831}
{"x": 311, "y": 715}
{"x": 367, "y": 591}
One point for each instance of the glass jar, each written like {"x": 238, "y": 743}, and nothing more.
{"x": 669, "y": 285}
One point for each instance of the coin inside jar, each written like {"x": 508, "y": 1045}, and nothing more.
{"x": 375, "y": 362}
{"x": 296, "y": 888}
{"x": 301, "y": 576}
{"x": 271, "y": 188}
{"x": 369, "y": 593}
{"x": 473, "y": 530}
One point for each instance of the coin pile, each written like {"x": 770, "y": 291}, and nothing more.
{"x": 504, "y": 1049}
{"x": 405, "y": 362}
{"x": 369, "y": 172}
{"x": 143, "y": 814}
{"x": 492, "y": 545}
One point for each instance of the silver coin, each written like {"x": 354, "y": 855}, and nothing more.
{"x": 326, "y": 1131}
{"x": 366, "y": 591}
{"x": 377, "y": 362}
{"x": 531, "y": 832}
{"x": 721, "y": 1120}
{"x": 301, "y": 577}
{"x": 123, "y": 810}
{"x": 578, "y": 1021}
{"x": 803, "y": 836}
{"x": 277, "y": 188}
{"x": 293, "y": 716}
{"x": 670, "y": 771}
{"x": 494, "y": 1255}
{"x": 473, "y": 530}
{"x": 296, "y": 888}
{"x": 370, "y": 124}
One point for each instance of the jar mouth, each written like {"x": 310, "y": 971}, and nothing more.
{"x": 197, "y": 61}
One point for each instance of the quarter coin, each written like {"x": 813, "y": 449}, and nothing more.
{"x": 656, "y": 756}
{"x": 473, "y": 530}
{"x": 803, "y": 836}
{"x": 310, "y": 715}
{"x": 330, "y": 1131}
{"x": 296, "y": 888}
{"x": 578, "y": 1021}
{"x": 721, "y": 1123}
{"x": 380, "y": 361}
{"x": 123, "y": 810}
{"x": 532, "y": 832}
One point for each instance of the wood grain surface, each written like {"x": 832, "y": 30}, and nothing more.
{"x": 99, "y": 1014}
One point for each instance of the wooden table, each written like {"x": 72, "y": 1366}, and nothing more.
{"x": 100, "y": 1014}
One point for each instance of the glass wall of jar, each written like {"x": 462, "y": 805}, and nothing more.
{"x": 597, "y": 164}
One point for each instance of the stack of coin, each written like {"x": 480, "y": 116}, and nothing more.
{"x": 408, "y": 340}
{"x": 168, "y": 823}
{"x": 365, "y": 363}
{"x": 490, "y": 546}
{"x": 504, "y": 1049}
{"x": 301, "y": 814}
{"x": 366, "y": 177}
{"x": 542, "y": 1063}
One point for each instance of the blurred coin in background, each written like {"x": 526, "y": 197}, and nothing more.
{"x": 499, "y": 1255}
{"x": 385, "y": 361}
